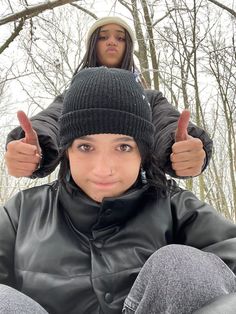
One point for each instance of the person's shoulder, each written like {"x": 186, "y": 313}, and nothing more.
{"x": 152, "y": 92}
{"x": 59, "y": 99}
{"x": 31, "y": 204}
{"x": 30, "y": 195}
{"x": 51, "y": 187}
{"x": 154, "y": 96}
{"x": 181, "y": 195}
{"x": 173, "y": 187}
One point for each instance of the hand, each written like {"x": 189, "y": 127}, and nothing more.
{"x": 188, "y": 155}
{"x": 23, "y": 156}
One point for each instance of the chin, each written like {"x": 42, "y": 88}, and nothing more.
{"x": 99, "y": 198}
{"x": 113, "y": 65}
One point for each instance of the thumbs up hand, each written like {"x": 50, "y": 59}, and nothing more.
{"x": 188, "y": 155}
{"x": 23, "y": 156}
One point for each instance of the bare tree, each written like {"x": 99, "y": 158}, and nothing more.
{"x": 222, "y": 65}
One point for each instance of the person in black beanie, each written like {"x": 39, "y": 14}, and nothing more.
{"x": 112, "y": 235}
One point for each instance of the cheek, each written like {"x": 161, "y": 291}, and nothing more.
{"x": 72, "y": 162}
{"x": 131, "y": 170}
{"x": 100, "y": 49}
{"x": 76, "y": 168}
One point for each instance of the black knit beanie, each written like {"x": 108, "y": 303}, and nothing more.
{"x": 106, "y": 100}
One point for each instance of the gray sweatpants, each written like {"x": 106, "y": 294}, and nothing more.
{"x": 176, "y": 279}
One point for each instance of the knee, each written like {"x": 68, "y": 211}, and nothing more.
{"x": 6, "y": 292}
{"x": 174, "y": 256}
{"x": 13, "y": 302}
{"x": 179, "y": 257}
{"x": 191, "y": 267}
{"x": 175, "y": 251}
{"x": 7, "y": 295}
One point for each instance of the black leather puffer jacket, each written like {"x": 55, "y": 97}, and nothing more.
{"x": 73, "y": 255}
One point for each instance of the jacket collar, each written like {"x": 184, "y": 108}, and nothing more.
{"x": 87, "y": 216}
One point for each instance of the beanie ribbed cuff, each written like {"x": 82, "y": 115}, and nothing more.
{"x": 96, "y": 121}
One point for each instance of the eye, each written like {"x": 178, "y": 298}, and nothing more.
{"x": 102, "y": 38}
{"x": 121, "y": 39}
{"x": 125, "y": 148}
{"x": 85, "y": 148}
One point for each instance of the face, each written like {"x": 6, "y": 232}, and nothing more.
{"x": 104, "y": 165}
{"x": 111, "y": 45}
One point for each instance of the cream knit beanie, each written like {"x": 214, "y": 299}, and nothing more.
{"x": 110, "y": 20}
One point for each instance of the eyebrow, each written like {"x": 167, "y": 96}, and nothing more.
{"x": 107, "y": 30}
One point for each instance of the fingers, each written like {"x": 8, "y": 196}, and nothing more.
{"x": 181, "y": 133}
{"x": 23, "y": 156}
{"x": 188, "y": 157}
{"x": 191, "y": 144}
{"x": 25, "y": 123}
{"x": 31, "y": 136}
{"x": 21, "y": 159}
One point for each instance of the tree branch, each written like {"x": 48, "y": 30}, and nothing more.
{"x": 85, "y": 10}
{"x": 222, "y": 6}
{"x": 13, "y": 36}
{"x": 125, "y": 5}
{"x": 30, "y": 11}
{"x": 166, "y": 15}
{"x": 163, "y": 17}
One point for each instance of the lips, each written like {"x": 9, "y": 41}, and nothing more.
{"x": 111, "y": 50}
{"x": 104, "y": 184}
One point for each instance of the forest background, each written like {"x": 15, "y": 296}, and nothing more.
{"x": 185, "y": 48}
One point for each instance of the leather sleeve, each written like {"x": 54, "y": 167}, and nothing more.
{"x": 198, "y": 224}
{"x": 7, "y": 244}
{"x": 45, "y": 124}
{"x": 165, "y": 118}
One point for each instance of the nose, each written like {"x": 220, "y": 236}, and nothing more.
{"x": 112, "y": 41}
{"x": 103, "y": 166}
